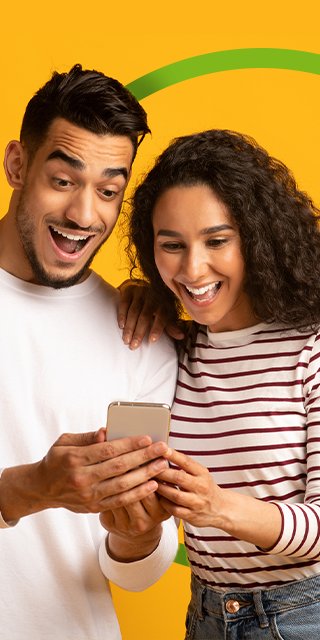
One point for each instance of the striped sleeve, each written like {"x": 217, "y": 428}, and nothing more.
{"x": 300, "y": 534}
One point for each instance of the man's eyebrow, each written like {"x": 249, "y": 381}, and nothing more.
{"x": 75, "y": 163}
{"x": 117, "y": 171}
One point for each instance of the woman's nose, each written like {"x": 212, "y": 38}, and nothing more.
{"x": 195, "y": 265}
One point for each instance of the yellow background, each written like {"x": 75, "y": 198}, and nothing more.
{"x": 126, "y": 40}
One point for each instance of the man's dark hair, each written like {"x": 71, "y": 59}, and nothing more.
{"x": 87, "y": 99}
{"x": 278, "y": 224}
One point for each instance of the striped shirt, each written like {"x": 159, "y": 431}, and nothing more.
{"x": 247, "y": 407}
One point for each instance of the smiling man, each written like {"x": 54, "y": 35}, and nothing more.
{"x": 69, "y": 195}
{"x": 62, "y": 363}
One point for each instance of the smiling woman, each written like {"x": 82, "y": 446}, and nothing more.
{"x": 221, "y": 229}
{"x": 199, "y": 257}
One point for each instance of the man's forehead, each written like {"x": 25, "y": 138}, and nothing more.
{"x": 84, "y": 145}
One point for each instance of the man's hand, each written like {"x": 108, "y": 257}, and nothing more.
{"x": 138, "y": 317}
{"x": 135, "y": 530}
{"x": 85, "y": 474}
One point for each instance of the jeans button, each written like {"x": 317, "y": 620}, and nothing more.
{"x": 232, "y": 606}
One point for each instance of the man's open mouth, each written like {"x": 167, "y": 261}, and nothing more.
{"x": 69, "y": 242}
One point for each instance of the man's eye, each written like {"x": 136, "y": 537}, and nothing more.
{"x": 61, "y": 182}
{"x": 108, "y": 194}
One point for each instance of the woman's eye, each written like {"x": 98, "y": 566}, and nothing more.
{"x": 217, "y": 242}
{"x": 172, "y": 246}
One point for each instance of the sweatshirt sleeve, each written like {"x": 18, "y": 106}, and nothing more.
{"x": 139, "y": 575}
{"x": 300, "y": 531}
{"x": 157, "y": 372}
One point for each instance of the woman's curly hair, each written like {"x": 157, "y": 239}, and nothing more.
{"x": 278, "y": 224}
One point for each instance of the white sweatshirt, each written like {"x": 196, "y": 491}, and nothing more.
{"x": 62, "y": 363}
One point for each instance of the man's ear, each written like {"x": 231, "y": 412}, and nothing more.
{"x": 15, "y": 162}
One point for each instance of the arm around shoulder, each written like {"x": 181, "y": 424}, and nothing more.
{"x": 4, "y": 524}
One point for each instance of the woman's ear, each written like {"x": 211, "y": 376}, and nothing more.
{"x": 15, "y": 162}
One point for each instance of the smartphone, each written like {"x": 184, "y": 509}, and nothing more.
{"x": 138, "y": 418}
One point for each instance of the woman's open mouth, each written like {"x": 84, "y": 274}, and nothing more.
{"x": 206, "y": 293}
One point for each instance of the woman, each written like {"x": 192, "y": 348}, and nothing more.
{"x": 220, "y": 229}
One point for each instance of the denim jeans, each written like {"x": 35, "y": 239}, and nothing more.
{"x": 288, "y": 612}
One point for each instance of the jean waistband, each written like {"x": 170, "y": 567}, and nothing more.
{"x": 236, "y": 603}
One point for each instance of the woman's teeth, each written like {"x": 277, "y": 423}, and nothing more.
{"x": 200, "y": 291}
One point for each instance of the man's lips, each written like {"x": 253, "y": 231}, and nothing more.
{"x": 69, "y": 242}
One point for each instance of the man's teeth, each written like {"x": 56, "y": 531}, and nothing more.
{"x": 69, "y": 236}
{"x": 201, "y": 290}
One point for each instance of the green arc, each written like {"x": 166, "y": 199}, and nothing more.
{"x": 229, "y": 60}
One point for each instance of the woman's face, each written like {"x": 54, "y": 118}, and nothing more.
{"x": 198, "y": 254}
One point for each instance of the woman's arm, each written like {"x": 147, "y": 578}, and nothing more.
{"x": 191, "y": 494}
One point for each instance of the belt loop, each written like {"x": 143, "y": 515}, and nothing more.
{"x": 200, "y": 593}
{"x": 263, "y": 620}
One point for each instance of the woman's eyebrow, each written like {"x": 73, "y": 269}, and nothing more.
{"x": 207, "y": 231}
{"x": 168, "y": 232}
{"x": 216, "y": 229}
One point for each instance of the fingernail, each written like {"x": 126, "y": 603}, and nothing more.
{"x": 121, "y": 323}
{"x": 153, "y": 337}
{"x": 160, "y": 447}
{"x": 134, "y": 344}
{"x": 144, "y": 442}
{"x": 152, "y": 485}
{"x": 126, "y": 338}
{"x": 160, "y": 465}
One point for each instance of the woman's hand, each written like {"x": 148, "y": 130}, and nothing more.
{"x": 190, "y": 492}
{"x": 138, "y": 317}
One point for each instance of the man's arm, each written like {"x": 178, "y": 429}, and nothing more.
{"x": 134, "y": 531}
{"x": 84, "y": 474}
{"x": 137, "y": 560}
{"x": 138, "y": 317}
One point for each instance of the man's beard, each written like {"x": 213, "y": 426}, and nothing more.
{"x": 26, "y": 229}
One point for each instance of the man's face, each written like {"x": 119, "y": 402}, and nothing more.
{"x": 69, "y": 203}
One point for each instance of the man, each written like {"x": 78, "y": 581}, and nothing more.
{"x": 62, "y": 363}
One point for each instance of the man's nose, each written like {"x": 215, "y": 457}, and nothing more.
{"x": 81, "y": 209}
